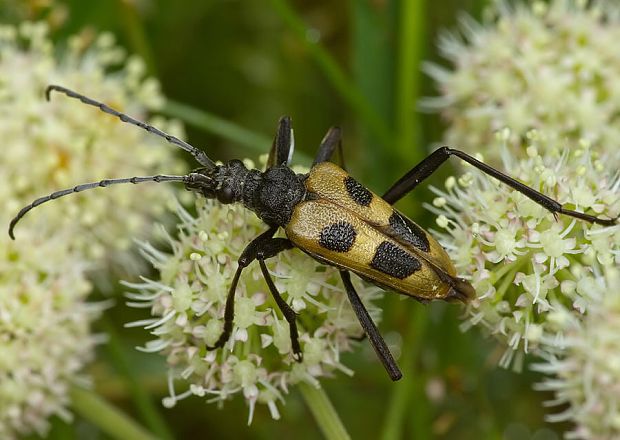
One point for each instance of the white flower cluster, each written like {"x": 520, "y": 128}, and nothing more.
{"x": 58, "y": 144}
{"x": 545, "y": 285}
{"x": 188, "y": 302}
{"x": 586, "y": 366}
{"x": 523, "y": 262}
{"x": 535, "y": 87}
{"x": 45, "y": 338}
{"x": 534, "y": 65}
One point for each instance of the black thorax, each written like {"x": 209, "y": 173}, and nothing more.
{"x": 272, "y": 194}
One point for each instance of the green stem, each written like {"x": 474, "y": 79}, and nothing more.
{"x": 148, "y": 411}
{"x": 410, "y": 390}
{"x": 411, "y": 42}
{"x": 106, "y": 417}
{"x": 372, "y": 59}
{"x": 339, "y": 80}
{"x": 324, "y": 412}
{"x": 509, "y": 273}
{"x": 134, "y": 30}
{"x": 256, "y": 143}
{"x": 214, "y": 124}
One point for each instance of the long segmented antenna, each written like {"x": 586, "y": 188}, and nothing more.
{"x": 200, "y": 155}
{"x": 86, "y": 186}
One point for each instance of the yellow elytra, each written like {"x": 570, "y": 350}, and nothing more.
{"x": 344, "y": 224}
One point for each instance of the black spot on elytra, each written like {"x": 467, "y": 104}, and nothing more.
{"x": 407, "y": 231}
{"x": 358, "y": 192}
{"x": 394, "y": 261}
{"x": 338, "y": 237}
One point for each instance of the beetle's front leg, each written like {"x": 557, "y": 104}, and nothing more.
{"x": 248, "y": 255}
{"x": 262, "y": 247}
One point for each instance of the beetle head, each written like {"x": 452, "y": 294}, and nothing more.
{"x": 223, "y": 182}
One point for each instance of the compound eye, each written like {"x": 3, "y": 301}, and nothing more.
{"x": 226, "y": 195}
{"x": 208, "y": 193}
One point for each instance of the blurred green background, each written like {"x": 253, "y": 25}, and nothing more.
{"x": 230, "y": 68}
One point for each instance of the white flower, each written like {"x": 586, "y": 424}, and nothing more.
{"x": 547, "y": 66}
{"x": 45, "y": 337}
{"x": 55, "y": 145}
{"x": 522, "y": 261}
{"x": 188, "y": 299}
{"x": 584, "y": 366}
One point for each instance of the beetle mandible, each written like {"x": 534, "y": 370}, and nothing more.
{"x": 328, "y": 215}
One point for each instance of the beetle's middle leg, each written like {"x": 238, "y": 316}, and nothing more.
{"x": 370, "y": 328}
{"x": 287, "y": 311}
{"x": 262, "y": 247}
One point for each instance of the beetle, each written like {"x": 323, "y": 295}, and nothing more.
{"x": 328, "y": 215}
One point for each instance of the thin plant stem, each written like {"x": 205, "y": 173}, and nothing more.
{"x": 409, "y": 147}
{"x": 254, "y": 142}
{"x": 106, "y": 417}
{"x": 216, "y": 125}
{"x": 134, "y": 29}
{"x": 324, "y": 412}
{"x": 148, "y": 411}
{"x": 372, "y": 62}
{"x": 339, "y": 80}
{"x": 408, "y": 404}
{"x": 411, "y": 42}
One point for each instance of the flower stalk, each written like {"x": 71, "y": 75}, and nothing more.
{"x": 107, "y": 418}
{"x": 324, "y": 412}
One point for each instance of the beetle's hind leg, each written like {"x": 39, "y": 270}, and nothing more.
{"x": 430, "y": 164}
{"x": 330, "y": 142}
{"x": 370, "y": 329}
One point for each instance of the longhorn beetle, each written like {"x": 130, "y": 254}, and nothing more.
{"x": 330, "y": 216}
